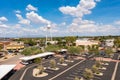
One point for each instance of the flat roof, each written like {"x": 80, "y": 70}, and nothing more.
{"x": 36, "y": 56}
{"x": 4, "y": 69}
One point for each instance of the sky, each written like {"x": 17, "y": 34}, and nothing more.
{"x": 32, "y": 18}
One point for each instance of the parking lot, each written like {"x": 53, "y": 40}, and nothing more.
{"x": 68, "y": 72}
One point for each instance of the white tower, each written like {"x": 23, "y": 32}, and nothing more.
{"x": 48, "y": 30}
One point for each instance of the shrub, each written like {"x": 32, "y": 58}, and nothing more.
{"x": 41, "y": 69}
{"x": 61, "y": 60}
{"x": 88, "y": 74}
{"x": 95, "y": 69}
{"x": 52, "y": 63}
{"x": 76, "y": 78}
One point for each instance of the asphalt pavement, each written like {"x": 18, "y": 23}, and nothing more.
{"x": 51, "y": 73}
{"x": 118, "y": 73}
{"x": 71, "y": 73}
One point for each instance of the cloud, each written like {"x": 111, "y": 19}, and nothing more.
{"x": 17, "y": 11}
{"x": 19, "y": 16}
{"x": 84, "y": 7}
{"x": 22, "y": 20}
{"x": 90, "y": 27}
{"x": 2, "y": 19}
{"x": 35, "y": 18}
{"x": 3, "y": 26}
{"x": 117, "y": 22}
{"x": 31, "y": 8}
{"x": 63, "y": 24}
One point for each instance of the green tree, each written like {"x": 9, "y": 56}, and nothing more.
{"x": 54, "y": 48}
{"x": 31, "y": 51}
{"x": 70, "y": 40}
{"x": 117, "y": 42}
{"x": 73, "y": 50}
{"x": 93, "y": 49}
{"x": 38, "y": 61}
{"x": 30, "y": 42}
{"x": 108, "y": 51}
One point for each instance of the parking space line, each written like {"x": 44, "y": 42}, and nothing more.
{"x": 21, "y": 78}
{"x": 115, "y": 70}
{"x": 66, "y": 70}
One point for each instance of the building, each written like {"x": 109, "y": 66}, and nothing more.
{"x": 52, "y": 42}
{"x": 109, "y": 42}
{"x": 86, "y": 42}
{"x": 14, "y": 45}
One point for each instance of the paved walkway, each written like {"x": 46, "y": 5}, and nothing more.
{"x": 12, "y": 60}
{"x": 107, "y": 59}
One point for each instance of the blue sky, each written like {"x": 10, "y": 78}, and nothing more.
{"x": 24, "y": 18}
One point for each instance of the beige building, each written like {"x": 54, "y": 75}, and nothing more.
{"x": 14, "y": 45}
{"x": 86, "y": 42}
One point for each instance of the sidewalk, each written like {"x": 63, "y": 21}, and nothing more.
{"x": 11, "y": 60}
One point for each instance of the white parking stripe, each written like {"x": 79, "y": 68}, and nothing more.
{"x": 115, "y": 70}
{"x": 66, "y": 70}
{"x": 21, "y": 78}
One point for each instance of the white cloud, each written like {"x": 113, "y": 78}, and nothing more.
{"x": 22, "y": 20}
{"x": 3, "y": 26}
{"x": 63, "y": 24}
{"x": 31, "y": 8}
{"x": 2, "y": 19}
{"x": 35, "y": 18}
{"x": 19, "y": 16}
{"x": 17, "y": 11}
{"x": 84, "y": 7}
{"x": 117, "y": 22}
{"x": 92, "y": 28}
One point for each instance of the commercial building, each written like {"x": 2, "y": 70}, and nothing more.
{"x": 86, "y": 42}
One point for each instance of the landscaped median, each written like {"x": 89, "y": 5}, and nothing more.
{"x": 39, "y": 71}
